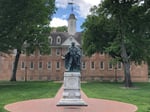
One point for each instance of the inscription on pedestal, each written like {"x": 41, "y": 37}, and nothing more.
{"x": 71, "y": 93}
{"x": 71, "y": 83}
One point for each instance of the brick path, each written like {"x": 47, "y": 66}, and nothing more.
{"x": 49, "y": 105}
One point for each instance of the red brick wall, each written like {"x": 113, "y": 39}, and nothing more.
{"x": 138, "y": 73}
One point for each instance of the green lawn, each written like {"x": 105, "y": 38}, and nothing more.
{"x": 140, "y": 95}
{"x": 17, "y": 91}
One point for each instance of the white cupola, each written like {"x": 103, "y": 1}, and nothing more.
{"x": 72, "y": 24}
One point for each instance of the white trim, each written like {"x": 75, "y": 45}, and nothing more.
{"x": 30, "y": 65}
{"x": 58, "y": 51}
{"x": 100, "y": 65}
{"x": 50, "y": 39}
{"x": 23, "y": 68}
{"x": 83, "y": 68}
{"x": 119, "y": 68}
{"x": 40, "y": 65}
{"x": 109, "y": 66}
{"x": 49, "y": 63}
{"x": 59, "y": 65}
{"x": 58, "y": 38}
{"x": 101, "y": 53}
{"x": 68, "y": 41}
{"x": 91, "y": 65}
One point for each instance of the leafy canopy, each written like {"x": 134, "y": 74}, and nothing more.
{"x": 114, "y": 21}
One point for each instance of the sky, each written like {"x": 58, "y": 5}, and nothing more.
{"x": 80, "y": 9}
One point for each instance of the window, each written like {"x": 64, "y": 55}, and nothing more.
{"x": 50, "y": 39}
{"x": 31, "y": 65}
{"x": 40, "y": 65}
{"x": 58, "y": 52}
{"x": 110, "y": 66}
{"x": 83, "y": 65}
{"x": 101, "y": 53}
{"x": 22, "y": 65}
{"x": 49, "y": 65}
{"x": 102, "y": 65}
{"x": 92, "y": 65}
{"x": 119, "y": 65}
{"x": 58, "y": 40}
{"x": 57, "y": 65}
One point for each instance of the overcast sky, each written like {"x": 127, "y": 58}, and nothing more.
{"x": 81, "y": 10}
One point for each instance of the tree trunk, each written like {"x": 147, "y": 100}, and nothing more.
{"x": 126, "y": 64}
{"x": 15, "y": 66}
{"x": 124, "y": 55}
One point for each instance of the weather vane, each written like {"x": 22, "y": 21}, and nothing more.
{"x": 71, "y": 3}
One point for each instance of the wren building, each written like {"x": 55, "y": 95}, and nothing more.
{"x": 51, "y": 67}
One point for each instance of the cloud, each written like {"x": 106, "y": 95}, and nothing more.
{"x": 82, "y": 6}
{"x": 61, "y": 3}
{"x": 56, "y": 22}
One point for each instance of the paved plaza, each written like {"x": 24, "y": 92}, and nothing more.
{"x": 49, "y": 105}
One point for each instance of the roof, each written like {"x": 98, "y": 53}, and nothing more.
{"x": 63, "y": 37}
{"x": 72, "y": 16}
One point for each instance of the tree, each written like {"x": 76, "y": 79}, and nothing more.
{"x": 24, "y": 24}
{"x": 60, "y": 29}
{"x": 118, "y": 27}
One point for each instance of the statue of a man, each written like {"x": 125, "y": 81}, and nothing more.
{"x": 73, "y": 58}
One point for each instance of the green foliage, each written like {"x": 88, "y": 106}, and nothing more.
{"x": 116, "y": 21}
{"x": 60, "y": 29}
{"x": 18, "y": 91}
{"x": 24, "y": 25}
{"x": 120, "y": 28}
{"x": 138, "y": 95}
{"x": 22, "y": 21}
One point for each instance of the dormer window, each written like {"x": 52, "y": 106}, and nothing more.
{"x": 50, "y": 39}
{"x": 58, "y": 40}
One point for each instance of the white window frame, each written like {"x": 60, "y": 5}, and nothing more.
{"x": 110, "y": 63}
{"x": 59, "y": 65}
{"x": 40, "y": 65}
{"x": 91, "y": 65}
{"x": 58, "y": 51}
{"x": 23, "y": 65}
{"x": 101, "y": 53}
{"x": 50, "y": 40}
{"x": 49, "y": 63}
{"x": 119, "y": 68}
{"x": 58, "y": 40}
{"x": 32, "y": 68}
{"x": 83, "y": 65}
{"x": 101, "y": 68}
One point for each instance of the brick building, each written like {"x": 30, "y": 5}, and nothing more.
{"x": 51, "y": 67}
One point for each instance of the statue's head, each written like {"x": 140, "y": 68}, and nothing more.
{"x": 73, "y": 43}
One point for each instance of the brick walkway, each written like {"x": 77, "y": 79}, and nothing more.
{"x": 49, "y": 105}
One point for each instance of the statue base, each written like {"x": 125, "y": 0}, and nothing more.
{"x": 71, "y": 93}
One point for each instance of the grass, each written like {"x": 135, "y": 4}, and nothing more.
{"x": 18, "y": 91}
{"x": 139, "y": 95}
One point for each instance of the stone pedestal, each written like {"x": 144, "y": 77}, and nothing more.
{"x": 71, "y": 93}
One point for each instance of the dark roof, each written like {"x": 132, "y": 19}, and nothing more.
{"x": 72, "y": 16}
{"x": 64, "y": 36}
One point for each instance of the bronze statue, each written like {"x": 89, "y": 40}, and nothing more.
{"x": 73, "y": 58}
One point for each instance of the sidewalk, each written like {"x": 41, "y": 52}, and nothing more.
{"x": 49, "y": 105}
